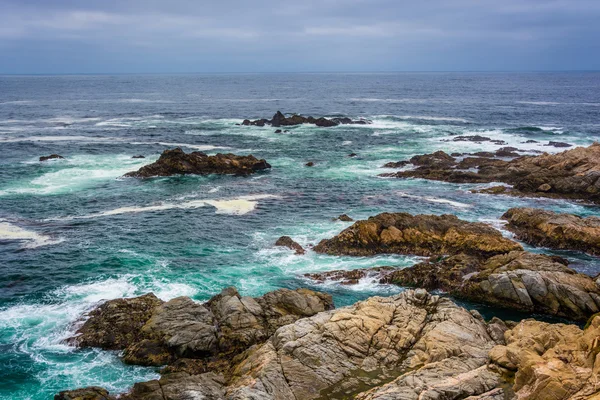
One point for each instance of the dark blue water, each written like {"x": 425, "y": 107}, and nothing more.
{"x": 73, "y": 233}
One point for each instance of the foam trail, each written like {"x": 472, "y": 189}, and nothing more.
{"x": 434, "y": 200}
{"x": 198, "y": 147}
{"x": 30, "y": 239}
{"x": 237, "y": 206}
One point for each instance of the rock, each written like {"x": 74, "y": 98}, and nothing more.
{"x": 531, "y": 141}
{"x": 438, "y": 159}
{"x": 351, "y": 277}
{"x": 278, "y": 131}
{"x": 352, "y": 155}
{"x": 138, "y": 157}
{"x": 558, "y": 144}
{"x": 551, "y": 361}
{"x": 51, "y": 157}
{"x": 155, "y": 333}
{"x": 424, "y": 235}
{"x": 487, "y": 154}
{"x": 279, "y": 119}
{"x": 555, "y": 230}
{"x": 286, "y": 241}
{"x": 180, "y": 386}
{"x": 344, "y": 218}
{"x": 116, "y": 323}
{"x": 309, "y": 164}
{"x": 473, "y": 138}
{"x": 572, "y": 174}
{"x": 518, "y": 280}
{"x": 88, "y": 393}
{"x": 507, "y": 152}
{"x": 174, "y": 162}
{"x": 398, "y": 164}
{"x": 421, "y": 344}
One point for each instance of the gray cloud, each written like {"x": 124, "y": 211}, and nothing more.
{"x": 265, "y": 35}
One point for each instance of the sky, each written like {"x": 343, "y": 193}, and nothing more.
{"x": 179, "y": 36}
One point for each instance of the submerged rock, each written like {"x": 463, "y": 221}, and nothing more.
{"x": 279, "y": 119}
{"x": 555, "y": 230}
{"x": 176, "y": 161}
{"x": 286, "y": 241}
{"x": 518, "y": 280}
{"x": 424, "y": 235}
{"x": 51, "y": 157}
{"x": 573, "y": 174}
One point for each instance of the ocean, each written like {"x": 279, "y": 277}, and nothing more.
{"x": 73, "y": 232}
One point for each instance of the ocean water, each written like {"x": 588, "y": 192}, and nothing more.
{"x": 73, "y": 233}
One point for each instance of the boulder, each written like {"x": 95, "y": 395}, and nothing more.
{"x": 518, "y": 280}
{"x": 88, "y": 393}
{"x": 424, "y": 235}
{"x": 140, "y": 156}
{"x": 309, "y": 164}
{"x": 555, "y": 230}
{"x": 176, "y": 161}
{"x": 286, "y": 241}
{"x": 51, "y": 157}
{"x": 344, "y": 218}
{"x": 551, "y": 361}
{"x": 572, "y": 174}
{"x": 152, "y": 332}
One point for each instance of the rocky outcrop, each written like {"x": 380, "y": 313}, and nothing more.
{"x": 344, "y": 218}
{"x": 286, "y": 241}
{"x": 558, "y": 231}
{"x": 424, "y": 235}
{"x": 572, "y": 174}
{"x": 89, "y": 393}
{"x": 155, "y": 333}
{"x": 51, "y": 157}
{"x": 279, "y": 119}
{"x": 176, "y": 162}
{"x": 138, "y": 156}
{"x": 518, "y": 280}
{"x": 350, "y": 277}
{"x": 551, "y": 361}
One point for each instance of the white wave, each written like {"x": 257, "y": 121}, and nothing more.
{"x": 214, "y": 190}
{"x": 29, "y": 239}
{"x": 236, "y": 206}
{"x": 142, "y": 101}
{"x": 540, "y": 103}
{"x": 199, "y": 147}
{"x": 346, "y": 142}
{"x": 428, "y": 118}
{"x": 388, "y": 100}
{"x": 433, "y": 199}
{"x": 18, "y": 102}
{"x": 79, "y": 139}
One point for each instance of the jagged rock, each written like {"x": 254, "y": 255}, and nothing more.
{"x": 89, "y": 393}
{"x": 279, "y": 119}
{"x": 51, "y": 157}
{"x": 155, "y": 333}
{"x": 518, "y": 280}
{"x": 344, "y": 218}
{"x": 573, "y": 174}
{"x": 551, "y": 361}
{"x": 116, "y": 323}
{"x": 286, "y": 241}
{"x": 417, "y": 342}
{"x": 176, "y": 161}
{"x": 555, "y": 230}
{"x": 424, "y": 235}
{"x": 350, "y": 277}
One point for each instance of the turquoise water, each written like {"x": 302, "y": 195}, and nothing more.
{"x": 74, "y": 233}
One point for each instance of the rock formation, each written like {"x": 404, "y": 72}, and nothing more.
{"x": 286, "y": 241}
{"x": 424, "y": 235}
{"x": 558, "y": 231}
{"x": 350, "y": 277}
{"x": 279, "y": 119}
{"x": 51, "y": 157}
{"x": 518, "y": 280}
{"x": 572, "y": 174}
{"x": 176, "y": 161}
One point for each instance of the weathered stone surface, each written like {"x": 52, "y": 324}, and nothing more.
{"x": 573, "y": 174}
{"x": 555, "y": 230}
{"x": 176, "y": 162}
{"x": 51, "y": 157}
{"x": 424, "y": 235}
{"x": 155, "y": 333}
{"x": 116, "y": 323}
{"x": 552, "y": 361}
{"x": 517, "y": 280}
{"x": 179, "y": 386}
{"x": 89, "y": 393}
{"x": 286, "y": 241}
{"x": 414, "y": 340}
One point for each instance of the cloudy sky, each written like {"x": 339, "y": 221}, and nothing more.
{"x": 103, "y": 36}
